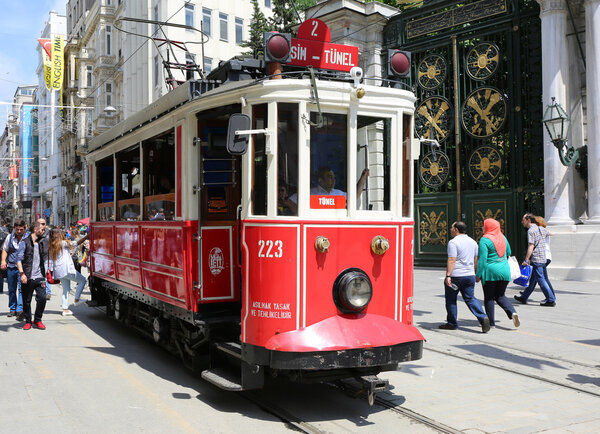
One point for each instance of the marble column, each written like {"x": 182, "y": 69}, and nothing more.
{"x": 555, "y": 70}
{"x": 592, "y": 55}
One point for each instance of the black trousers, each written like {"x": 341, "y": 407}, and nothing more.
{"x": 493, "y": 291}
{"x": 39, "y": 286}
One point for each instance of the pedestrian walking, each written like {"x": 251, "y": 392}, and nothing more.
{"x": 494, "y": 272}
{"x": 60, "y": 253}
{"x": 10, "y": 250}
{"x": 536, "y": 252}
{"x": 46, "y": 233}
{"x": 4, "y": 232}
{"x": 460, "y": 277}
{"x": 522, "y": 298}
{"x": 32, "y": 273}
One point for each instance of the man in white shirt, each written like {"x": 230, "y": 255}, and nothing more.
{"x": 460, "y": 277}
{"x": 326, "y": 184}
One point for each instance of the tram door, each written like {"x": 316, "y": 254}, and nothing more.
{"x": 220, "y": 194}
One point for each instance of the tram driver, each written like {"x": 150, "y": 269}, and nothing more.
{"x": 326, "y": 184}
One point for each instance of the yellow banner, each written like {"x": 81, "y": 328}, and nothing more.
{"x": 47, "y": 70}
{"x": 57, "y": 61}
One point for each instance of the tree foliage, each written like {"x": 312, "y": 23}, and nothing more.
{"x": 288, "y": 13}
{"x": 258, "y": 25}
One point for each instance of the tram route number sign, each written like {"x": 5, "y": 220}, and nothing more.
{"x": 313, "y": 48}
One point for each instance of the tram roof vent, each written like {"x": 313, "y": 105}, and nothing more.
{"x": 198, "y": 87}
{"x": 238, "y": 69}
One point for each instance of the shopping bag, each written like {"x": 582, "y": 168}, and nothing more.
{"x": 515, "y": 271}
{"x": 523, "y": 280}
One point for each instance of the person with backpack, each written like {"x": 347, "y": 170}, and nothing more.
{"x": 10, "y": 251}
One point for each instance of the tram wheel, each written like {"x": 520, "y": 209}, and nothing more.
{"x": 159, "y": 330}
{"x": 120, "y": 309}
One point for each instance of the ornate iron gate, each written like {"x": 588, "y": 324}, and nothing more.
{"x": 476, "y": 71}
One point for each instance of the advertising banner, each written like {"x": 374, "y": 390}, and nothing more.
{"x": 46, "y": 53}
{"x": 26, "y": 142}
{"x": 57, "y": 59}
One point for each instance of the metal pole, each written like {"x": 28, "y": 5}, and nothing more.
{"x": 456, "y": 127}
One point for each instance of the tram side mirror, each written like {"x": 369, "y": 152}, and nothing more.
{"x": 237, "y": 144}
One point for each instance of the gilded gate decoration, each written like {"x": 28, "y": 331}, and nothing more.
{"x": 477, "y": 77}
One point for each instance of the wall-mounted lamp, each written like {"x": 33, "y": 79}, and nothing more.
{"x": 110, "y": 110}
{"x": 558, "y": 124}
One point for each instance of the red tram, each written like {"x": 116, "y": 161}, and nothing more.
{"x": 291, "y": 258}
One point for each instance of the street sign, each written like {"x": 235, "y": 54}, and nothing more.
{"x": 312, "y": 48}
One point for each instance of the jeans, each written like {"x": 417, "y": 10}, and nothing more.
{"x": 493, "y": 291}
{"x": 15, "y": 304}
{"x": 466, "y": 287}
{"x": 66, "y": 284}
{"x": 39, "y": 287}
{"x": 539, "y": 275}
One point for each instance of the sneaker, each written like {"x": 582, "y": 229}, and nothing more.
{"x": 520, "y": 299}
{"x": 79, "y": 302}
{"x": 48, "y": 296}
{"x": 548, "y": 304}
{"x": 446, "y": 327}
{"x": 11, "y": 313}
{"x": 485, "y": 325}
{"x": 515, "y": 319}
{"x": 66, "y": 312}
{"x": 20, "y": 316}
{"x": 27, "y": 326}
{"x": 39, "y": 325}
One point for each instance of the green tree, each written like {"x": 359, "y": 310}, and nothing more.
{"x": 288, "y": 13}
{"x": 258, "y": 25}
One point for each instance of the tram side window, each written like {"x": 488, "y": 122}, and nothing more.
{"x": 259, "y": 175}
{"x": 406, "y": 163}
{"x": 287, "y": 159}
{"x": 373, "y": 163}
{"x": 159, "y": 177}
{"x": 328, "y": 161}
{"x": 129, "y": 184}
{"x": 106, "y": 189}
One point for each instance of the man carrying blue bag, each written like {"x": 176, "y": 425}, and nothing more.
{"x": 536, "y": 250}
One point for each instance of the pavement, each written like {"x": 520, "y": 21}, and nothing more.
{"x": 541, "y": 377}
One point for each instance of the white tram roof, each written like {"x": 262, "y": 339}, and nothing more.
{"x": 329, "y": 92}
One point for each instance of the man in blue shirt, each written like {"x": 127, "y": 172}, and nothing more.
{"x": 10, "y": 253}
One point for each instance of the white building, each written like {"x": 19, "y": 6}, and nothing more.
{"x": 49, "y": 129}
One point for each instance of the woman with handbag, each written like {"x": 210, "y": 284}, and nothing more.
{"x": 59, "y": 251}
{"x": 493, "y": 270}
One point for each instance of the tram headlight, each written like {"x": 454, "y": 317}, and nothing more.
{"x": 352, "y": 290}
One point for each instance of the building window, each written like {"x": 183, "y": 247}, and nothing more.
{"x": 155, "y": 18}
{"x": 89, "y": 76}
{"x": 223, "y": 27}
{"x": 108, "y": 93}
{"x": 207, "y": 65}
{"x": 206, "y": 21}
{"x": 108, "y": 40}
{"x": 190, "y": 58}
{"x": 267, "y": 3}
{"x": 239, "y": 30}
{"x": 155, "y": 71}
{"x": 189, "y": 15}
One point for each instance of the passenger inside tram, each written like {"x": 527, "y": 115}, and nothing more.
{"x": 285, "y": 206}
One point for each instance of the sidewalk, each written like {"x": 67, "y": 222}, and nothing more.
{"x": 508, "y": 380}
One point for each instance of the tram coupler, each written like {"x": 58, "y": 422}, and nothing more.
{"x": 372, "y": 385}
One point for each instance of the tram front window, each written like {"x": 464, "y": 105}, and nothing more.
{"x": 373, "y": 139}
{"x": 328, "y": 161}
{"x": 287, "y": 159}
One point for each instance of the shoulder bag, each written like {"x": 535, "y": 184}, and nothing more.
{"x": 515, "y": 270}
{"x": 49, "y": 274}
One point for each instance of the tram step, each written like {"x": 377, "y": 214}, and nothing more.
{"x": 232, "y": 348}
{"x": 223, "y": 379}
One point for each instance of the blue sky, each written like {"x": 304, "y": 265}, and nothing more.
{"x": 21, "y": 23}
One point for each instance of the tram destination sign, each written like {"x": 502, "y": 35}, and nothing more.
{"x": 455, "y": 16}
{"x": 313, "y": 48}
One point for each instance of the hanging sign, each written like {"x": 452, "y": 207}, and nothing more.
{"x": 312, "y": 48}
{"x": 46, "y": 55}
{"x": 57, "y": 59}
